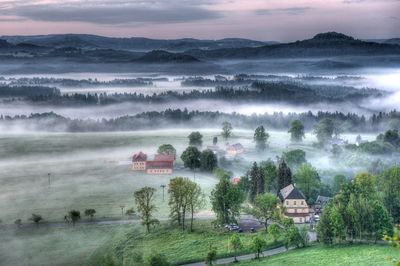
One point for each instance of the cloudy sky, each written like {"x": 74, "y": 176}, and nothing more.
{"x": 281, "y": 20}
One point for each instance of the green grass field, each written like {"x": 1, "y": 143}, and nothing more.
{"x": 178, "y": 247}
{"x": 357, "y": 255}
{"x": 55, "y": 246}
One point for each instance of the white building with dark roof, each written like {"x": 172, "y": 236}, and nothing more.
{"x": 295, "y": 205}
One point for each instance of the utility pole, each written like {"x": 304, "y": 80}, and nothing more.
{"x": 48, "y": 178}
{"x": 163, "y": 187}
{"x": 122, "y": 210}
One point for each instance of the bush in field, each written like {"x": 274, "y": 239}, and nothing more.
{"x": 90, "y": 213}
{"x": 36, "y": 218}
{"x": 130, "y": 212}
{"x": 157, "y": 260}
{"x": 18, "y": 222}
{"x": 74, "y": 215}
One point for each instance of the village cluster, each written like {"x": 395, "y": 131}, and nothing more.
{"x": 291, "y": 198}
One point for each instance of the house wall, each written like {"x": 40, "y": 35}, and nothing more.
{"x": 139, "y": 166}
{"x": 159, "y": 171}
{"x": 301, "y": 220}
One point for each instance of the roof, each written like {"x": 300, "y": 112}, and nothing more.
{"x": 164, "y": 157}
{"x": 139, "y": 157}
{"x": 159, "y": 165}
{"x": 322, "y": 199}
{"x": 236, "y": 146}
{"x": 236, "y": 180}
{"x": 291, "y": 192}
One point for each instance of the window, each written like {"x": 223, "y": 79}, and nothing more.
{"x": 294, "y": 202}
{"x": 287, "y": 202}
{"x": 302, "y": 203}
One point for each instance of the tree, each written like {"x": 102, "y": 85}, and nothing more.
{"x": 211, "y": 256}
{"x": 324, "y": 130}
{"x": 208, "y": 160}
{"x": 324, "y": 228}
{"x": 265, "y": 208}
{"x": 158, "y": 259}
{"x": 261, "y": 137}
{"x": 337, "y": 182}
{"x": 257, "y": 245}
{"x": 184, "y": 196}
{"x": 226, "y": 130}
{"x": 271, "y": 175}
{"x": 275, "y": 231}
{"x": 195, "y": 199}
{"x": 257, "y": 181}
{"x": 389, "y": 184}
{"x": 308, "y": 181}
{"x": 294, "y": 158}
{"x": 226, "y": 199}
{"x": 366, "y": 183}
{"x": 166, "y": 149}
{"x": 195, "y": 139}
{"x": 296, "y": 131}
{"x": 144, "y": 199}
{"x": 90, "y": 213}
{"x": 304, "y": 238}
{"x": 36, "y": 218}
{"x": 191, "y": 157}
{"x": 381, "y": 220}
{"x": 74, "y": 215}
{"x": 236, "y": 244}
{"x": 284, "y": 175}
{"x": 215, "y": 140}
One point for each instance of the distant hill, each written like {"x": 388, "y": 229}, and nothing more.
{"x": 321, "y": 45}
{"x": 85, "y": 41}
{"x": 159, "y": 56}
{"x": 393, "y": 41}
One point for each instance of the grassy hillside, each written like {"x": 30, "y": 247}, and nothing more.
{"x": 178, "y": 247}
{"x": 358, "y": 255}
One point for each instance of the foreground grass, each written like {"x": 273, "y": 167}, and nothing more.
{"x": 357, "y": 255}
{"x": 54, "y": 246}
{"x": 179, "y": 247}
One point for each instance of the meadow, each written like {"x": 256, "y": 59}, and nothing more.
{"x": 357, "y": 255}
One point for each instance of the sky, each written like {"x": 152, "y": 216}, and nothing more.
{"x": 267, "y": 20}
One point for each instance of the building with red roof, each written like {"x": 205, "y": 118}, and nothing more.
{"x": 139, "y": 161}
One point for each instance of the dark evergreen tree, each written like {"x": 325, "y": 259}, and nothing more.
{"x": 284, "y": 175}
{"x": 254, "y": 177}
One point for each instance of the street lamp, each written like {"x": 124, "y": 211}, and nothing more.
{"x": 122, "y": 210}
{"x": 163, "y": 187}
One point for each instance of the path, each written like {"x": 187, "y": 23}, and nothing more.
{"x": 266, "y": 253}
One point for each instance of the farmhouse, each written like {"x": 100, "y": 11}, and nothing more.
{"x": 159, "y": 167}
{"x": 139, "y": 161}
{"x": 162, "y": 163}
{"x": 295, "y": 204}
{"x": 234, "y": 149}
